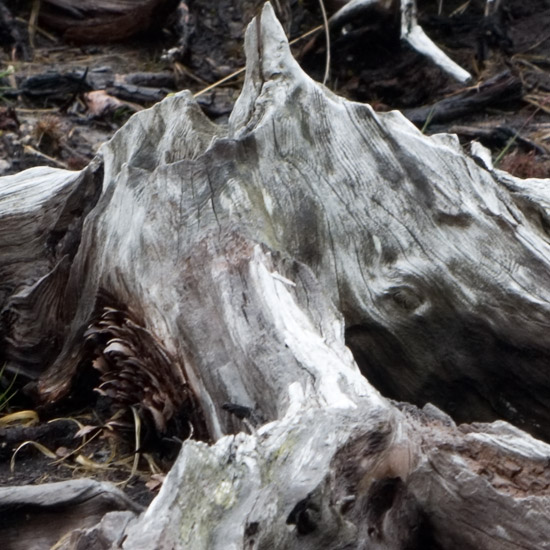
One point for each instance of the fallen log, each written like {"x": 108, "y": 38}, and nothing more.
{"x": 101, "y": 21}
{"x": 38, "y": 516}
{"x": 501, "y": 89}
{"x": 220, "y": 276}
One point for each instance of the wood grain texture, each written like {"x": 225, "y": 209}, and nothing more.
{"x": 256, "y": 257}
{"x": 37, "y": 516}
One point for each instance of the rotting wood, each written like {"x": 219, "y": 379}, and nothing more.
{"x": 88, "y": 21}
{"x": 254, "y": 254}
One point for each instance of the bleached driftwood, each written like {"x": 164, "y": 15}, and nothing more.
{"x": 411, "y": 32}
{"x": 204, "y": 268}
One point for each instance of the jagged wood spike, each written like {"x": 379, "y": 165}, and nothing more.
{"x": 257, "y": 255}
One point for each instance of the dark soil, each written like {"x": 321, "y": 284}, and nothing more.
{"x": 100, "y": 455}
{"x": 47, "y": 117}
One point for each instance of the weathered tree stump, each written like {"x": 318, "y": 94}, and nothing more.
{"x": 202, "y": 270}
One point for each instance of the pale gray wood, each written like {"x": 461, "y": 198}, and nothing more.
{"x": 411, "y": 32}
{"x": 414, "y": 35}
{"x": 243, "y": 263}
{"x": 37, "y": 516}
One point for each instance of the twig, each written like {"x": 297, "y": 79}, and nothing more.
{"x": 30, "y": 149}
{"x": 44, "y": 33}
{"x": 327, "y": 37}
{"x": 461, "y": 9}
{"x": 137, "y": 454}
{"x": 513, "y": 139}
{"x": 33, "y": 21}
{"x": 219, "y": 82}
{"x": 428, "y": 119}
{"x": 242, "y": 69}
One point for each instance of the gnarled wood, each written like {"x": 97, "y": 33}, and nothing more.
{"x": 250, "y": 257}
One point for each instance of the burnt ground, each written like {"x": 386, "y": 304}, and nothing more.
{"x": 61, "y": 97}
{"x": 50, "y": 448}
{"x": 100, "y": 459}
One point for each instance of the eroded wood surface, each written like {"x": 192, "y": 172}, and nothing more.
{"x": 253, "y": 255}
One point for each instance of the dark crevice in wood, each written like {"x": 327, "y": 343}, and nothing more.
{"x": 479, "y": 383}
